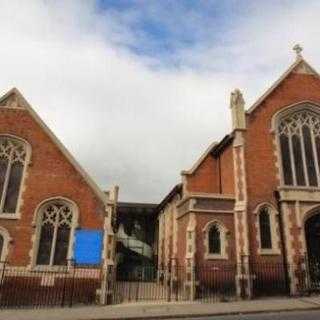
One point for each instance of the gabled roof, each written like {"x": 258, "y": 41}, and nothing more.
{"x": 177, "y": 189}
{"x": 299, "y": 66}
{"x": 20, "y": 102}
{"x": 215, "y": 149}
{"x": 200, "y": 160}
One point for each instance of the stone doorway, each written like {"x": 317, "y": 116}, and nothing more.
{"x": 312, "y": 233}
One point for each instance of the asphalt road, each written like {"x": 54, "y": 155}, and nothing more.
{"x": 295, "y": 315}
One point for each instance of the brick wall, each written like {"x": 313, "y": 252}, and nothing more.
{"x": 262, "y": 173}
{"x": 228, "y": 221}
{"x": 205, "y": 178}
{"x": 48, "y": 175}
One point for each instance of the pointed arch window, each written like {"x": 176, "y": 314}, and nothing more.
{"x": 265, "y": 229}
{"x": 299, "y": 139}
{"x": 13, "y": 158}
{"x": 55, "y": 230}
{"x": 214, "y": 240}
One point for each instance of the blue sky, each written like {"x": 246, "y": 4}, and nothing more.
{"x": 163, "y": 28}
{"x": 137, "y": 90}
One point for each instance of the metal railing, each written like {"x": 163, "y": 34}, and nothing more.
{"x": 45, "y": 287}
{"x": 78, "y": 284}
{"x": 207, "y": 283}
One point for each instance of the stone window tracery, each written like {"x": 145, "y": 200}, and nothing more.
{"x": 55, "y": 231}
{"x": 299, "y": 138}
{"x": 13, "y": 156}
{"x": 215, "y": 241}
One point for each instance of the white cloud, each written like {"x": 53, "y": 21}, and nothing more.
{"x": 126, "y": 122}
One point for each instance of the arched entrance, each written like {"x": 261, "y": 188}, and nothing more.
{"x": 312, "y": 232}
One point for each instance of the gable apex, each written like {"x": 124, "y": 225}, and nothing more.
{"x": 300, "y": 66}
{"x": 14, "y": 99}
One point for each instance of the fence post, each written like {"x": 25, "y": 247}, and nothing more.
{"x": 73, "y": 264}
{"x": 244, "y": 282}
{"x": 3, "y": 270}
{"x": 249, "y": 277}
{"x": 307, "y": 268}
{"x": 302, "y": 274}
{"x": 2, "y": 276}
{"x": 64, "y": 284}
{"x": 168, "y": 282}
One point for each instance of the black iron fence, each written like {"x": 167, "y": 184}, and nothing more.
{"x": 149, "y": 283}
{"x": 216, "y": 282}
{"x": 208, "y": 283}
{"x": 269, "y": 279}
{"x": 58, "y": 286}
{"x": 75, "y": 284}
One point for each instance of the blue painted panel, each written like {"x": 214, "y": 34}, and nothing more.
{"x": 88, "y": 246}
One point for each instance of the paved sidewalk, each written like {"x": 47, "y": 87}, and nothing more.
{"x": 163, "y": 310}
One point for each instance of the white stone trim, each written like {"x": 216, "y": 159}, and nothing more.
{"x": 28, "y": 150}
{"x": 6, "y": 242}
{"x": 223, "y": 241}
{"x": 203, "y": 195}
{"x": 191, "y": 237}
{"x": 274, "y": 228}
{"x": 289, "y": 247}
{"x": 36, "y": 223}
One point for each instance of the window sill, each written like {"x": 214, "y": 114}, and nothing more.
{"x": 53, "y": 269}
{"x": 215, "y": 257}
{"x": 269, "y": 252}
{"x": 10, "y": 216}
{"x": 302, "y": 188}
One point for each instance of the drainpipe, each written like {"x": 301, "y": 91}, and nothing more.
{"x": 283, "y": 242}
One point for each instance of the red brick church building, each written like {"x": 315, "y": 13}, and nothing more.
{"x": 253, "y": 199}
{"x": 45, "y": 195}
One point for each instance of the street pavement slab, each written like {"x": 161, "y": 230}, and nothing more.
{"x": 163, "y": 310}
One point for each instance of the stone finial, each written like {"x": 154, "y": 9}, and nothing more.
{"x": 298, "y": 49}
{"x": 237, "y": 109}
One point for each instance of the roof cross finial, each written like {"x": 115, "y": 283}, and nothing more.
{"x": 298, "y": 49}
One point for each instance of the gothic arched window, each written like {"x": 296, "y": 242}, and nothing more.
{"x": 55, "y": 227}
{"x": 265, "y": 229}
{"x": 13, "y": 157}
{"x": 214, "y": 239}
{"x": 299, "y": 138}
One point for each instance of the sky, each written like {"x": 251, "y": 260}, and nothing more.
{"x": 137, "y": 90}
